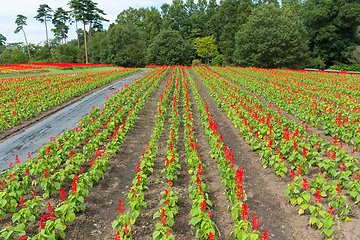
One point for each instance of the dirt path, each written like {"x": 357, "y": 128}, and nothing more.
{"x": 101, "y": 204}
{"x": 265, "y": 191}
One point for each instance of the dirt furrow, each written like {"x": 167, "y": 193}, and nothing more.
{"x": 265, "y": 191}
{"x": 101, "y": 204}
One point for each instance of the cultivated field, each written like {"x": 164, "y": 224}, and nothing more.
{"x": 188, "y": 153}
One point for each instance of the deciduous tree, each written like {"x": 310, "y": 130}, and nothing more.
{"x": 272, "y": 38}
{"x": 332, "y": 26}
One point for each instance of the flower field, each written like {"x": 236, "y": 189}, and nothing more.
{"x": 31, "y": 67}
{"x": 190, "y": 153}
{"x": 22, "y": 98}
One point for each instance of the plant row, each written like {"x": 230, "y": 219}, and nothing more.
{"x": 288, "y": 148}
{"x": 58, "y": 164}
{"x": 24, "y": 98}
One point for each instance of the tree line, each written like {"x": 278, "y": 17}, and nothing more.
{"x": 262, "y": 33}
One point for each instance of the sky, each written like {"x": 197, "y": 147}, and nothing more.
{"x": 35, "y": 31}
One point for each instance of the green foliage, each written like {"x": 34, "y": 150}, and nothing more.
{"x": 20, "y": 22}
{"x": 346, "y": 68}
{"x": 196, "y": 62}
{"x": 2, "y": 40}
{"x": 317, "y": 63}
{"x": 169, "y": 48}
{"x": 123, "y": 45}
{"x": 218, "y": 60}
{"x": 18, "y": 56}
{"x": 206, "y": 47}
{"x": 66, "y": 53}
{"x": 5, "y": 55}
{"x": 331, "y": 26}
{"x": 60, "y": 20}
{"x": 272, "y": 38}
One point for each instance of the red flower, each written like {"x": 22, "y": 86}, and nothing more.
{"x": 318, "y": 196}
{"x": 170, "y": 182}
{"x": 211, "y": 236}
{"x": 126, "y": 230}
{"x": 23, "y": 237}
{"x": 357, "y": 176}
{"x": 209, "y": 213}
{"x": 255, "y": 222}
{"x": 338, "y": 189}
{"x": 203, "y": 205}
{"x": 120, "y": 207}
{"x": 168, "y": 232}
{"x": 62, "y": 194}
{"x": 200, "y": 170}
{"x": 343, "y": 167}
{"x": 22, "y": 202}
{"x": 305, "y": 152}
{"x": 305, "y": 184}
{"x": 264, "y": 236}
{"x": 244, "y": 212}
{"x": 138, "y": 168}
{"x": 331, "y": 210}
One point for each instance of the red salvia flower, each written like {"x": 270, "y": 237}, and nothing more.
{"x": 255, "y": 222}
{"x": 62, "y": 194}
{"x": 203, "y": 205}
{"x": 357, "y": 176}
{"x": 264, "y": 236}
{"x": 305, "y": 184}
{"x": 22, "y": 202}
{"x": 244, "y": 212}
{"x": 168, "y": 232}
{"x": 126, "y": 230}
{"x": 305, "y": 152}
{"x": 343, "y": 167}
{"x": 318, "y": 196}
{"x": 120, "y": 207}
{"x": 211, "y": 236}
{"x": 331, "y": 210}
{"x": 338, "y": 189}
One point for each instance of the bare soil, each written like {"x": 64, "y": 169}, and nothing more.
{"x": 264, "y": 189}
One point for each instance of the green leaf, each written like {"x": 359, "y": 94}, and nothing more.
{"x": 156, "y": 234}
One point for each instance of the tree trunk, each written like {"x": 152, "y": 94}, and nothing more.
{"x": 47, "y": 38}
{"x": 27, "y": 45}
{"x": 64, "y": 32}
{"x": 86, "y": 53}
{"x": 77, "y": 34}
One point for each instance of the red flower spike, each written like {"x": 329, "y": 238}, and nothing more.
{"x": 120, "y": 207}
{"x": 331, "y": 210}
{"x": 305, "y": 184}
{"x": 255, "y": 222}
{"x": 211, "y": 236}
{"x": 264, "y": 236}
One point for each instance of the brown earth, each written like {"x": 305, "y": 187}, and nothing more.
{"x": 264, "y": 189}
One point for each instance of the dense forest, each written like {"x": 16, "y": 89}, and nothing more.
{"x": 262, "y": 33}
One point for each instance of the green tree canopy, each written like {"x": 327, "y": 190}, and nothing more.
{"x": 61, "y": 19}
{"x": 272, "y": 38}
{"x": 169, "y": 48}
{"x": 332, "y": 28}
{"x": 123, "y": 45}
{"x": 44, "y": 15}
{"x": 2, "y": 39}
{"x": 206, "y": 47}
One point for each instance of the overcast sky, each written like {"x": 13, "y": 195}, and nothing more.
{"x": 35, "y": 31}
